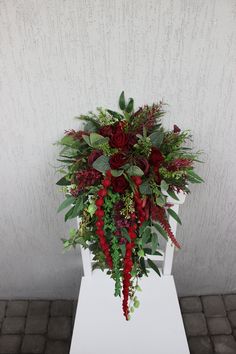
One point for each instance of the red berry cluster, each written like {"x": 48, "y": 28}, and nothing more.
{"x": 161, "y": 216}
{"x": 100, "y": 223}
{"x": 128, "y": 264}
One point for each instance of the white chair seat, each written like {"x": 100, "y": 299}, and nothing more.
{"x": 156, "y": 327}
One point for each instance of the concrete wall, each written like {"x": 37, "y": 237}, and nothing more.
{"x": 61, "y": 58}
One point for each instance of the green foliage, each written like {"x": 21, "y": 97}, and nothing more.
{"x": 101, "y": 164}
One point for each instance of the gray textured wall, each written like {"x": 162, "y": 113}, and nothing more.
{"x": 60, "y": 58}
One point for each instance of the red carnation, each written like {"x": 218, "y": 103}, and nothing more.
{"x": 117, "y": 160}
{"x": 156, "y": 157}
{"x": 106, "y": 130}
{"x": 119, "y": 138}
{"x": 119, "y": 184}
{"x": 93, "y": 156}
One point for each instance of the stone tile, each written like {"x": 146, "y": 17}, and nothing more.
{"x": 36, "y": 325}
{"x": 17, "y": 308}
{"x": 33, "y": 344}
{"x": 234, "y": 333}
{"x": 195, "y": 324}
{"x": 218, "y": 325}
{"x": 230, "y": 302}
{"x": 224, "y": 344}
{"x": 61, "y": 308}
{"x": 200, "y": 345}
{"x": 190, "y": 304}
{"x": 232, "y": 318}
{"x": 57, "y": 347}
{"x": 59, "y": 328}
{"x": 13, "y": 325}
{"x": 10, "y": 344}
{"x": 38, "y": 308}
{"x": 213, "y": 306}
{"x": 2, "y": 309}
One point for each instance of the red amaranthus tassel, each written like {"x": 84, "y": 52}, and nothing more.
{"x": 100, "y": 223}
{"x": 128, "y": 264}
{"x": 161, "y": 217}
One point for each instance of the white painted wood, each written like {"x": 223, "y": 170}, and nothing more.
{"x": 155, "y": 327}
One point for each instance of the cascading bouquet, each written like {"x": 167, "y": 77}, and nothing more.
{"x": 118, "y": 173}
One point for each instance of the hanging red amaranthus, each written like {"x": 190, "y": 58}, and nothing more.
{"x": 161, "y": 216}
{"x": 100, "y": 223}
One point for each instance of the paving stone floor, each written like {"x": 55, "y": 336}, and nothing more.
{"x": 45, "y": 327}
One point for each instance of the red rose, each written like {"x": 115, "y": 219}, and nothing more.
{"x": 119, "y": 138}
{"x": 132, "y": 139}
{"x": 156, "y": 157}
{"x": 117, "y": 160}
{"x": 106, "y": 130}
{"x": 93, "y": 156}
{"x": 119, "y": 184}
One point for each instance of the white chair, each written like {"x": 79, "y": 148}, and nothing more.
{"x": 156, "y": 327}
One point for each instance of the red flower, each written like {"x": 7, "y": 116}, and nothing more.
{"x": 119, "y": 138}
{"x": 132, "y": 139}
{"x": 119, "y": 184}
{"x": 93, "y": 156}
{"x": 106, "y": 130}
{"x": 176, "y": 129}
{"x": 117, "y": 160}
{"x": 156, "y": 157}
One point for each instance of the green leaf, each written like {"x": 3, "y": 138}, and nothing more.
{"x": 143, "y": 266}
{"x": 125, "y": 234}
{"x": 149, "y": 251}
{"x": 136, "y": 304}
{"x": 101, "y": 164}
{"x": 115, "y": 114}
{"x": 135, "y": 171}
{"x": 174, "y": 215}
{"x": 160, "y": 230}
{"x": 90, "y": 127}
{"x": 157, "y": 138}
{"x": 87, "y": 139}
{"x": 153, "y": 266}
{"x": 143, "y": 226}
{"x": 79, "y": 206}
{"x": 130, "y": 106}
{"x": 122, "y": 101}
{"x": 68, "y": 201}
{"x": 63, "y": 182}
{"x": 172, "y": 194}
{"x": 194, "y": 178}
{"x": 69, "y": 213}
{"x": 67, "y": 140}
{"x": 154, "y": 242}
{"x": 146, "y": 235}
{"x": 164, "y": 185}
{"x": 123, "y": 248}
{"x": 117, "y": 173}
{"x": 145, "y": 188}
{"x": 95, "y": 137}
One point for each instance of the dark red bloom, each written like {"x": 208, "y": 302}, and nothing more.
{"x": 119, "y": 138}
{"x": 178, "y": 164}
{"x": 156, "y": 157}
{"x": 119, "y": 184}
{"x": 176, "y": 129}
{"x": 87, "y": 178}
{"x": 117, "y": 160}
{"x": 106, "y": 130}
{"x": 93, "y": 156}
{"x": 132, "y": 139}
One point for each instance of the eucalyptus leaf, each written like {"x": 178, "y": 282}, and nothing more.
{"x": 117, "y": 173}
{"x": 101, "y": 164}
{"x": 135, "y": 171}
{"x": 145, "y": 188}
{"x": 157, "y": 138}
{"x": 87, "y": 139}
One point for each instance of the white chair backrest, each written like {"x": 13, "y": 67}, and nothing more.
{"x": 167, "y": 255}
